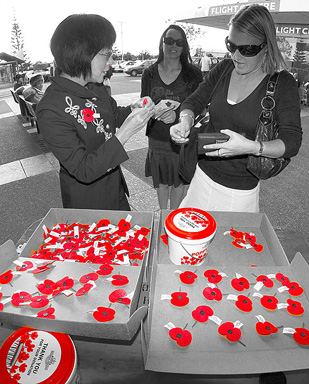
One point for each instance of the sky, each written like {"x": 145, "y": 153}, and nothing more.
{"x": 139, "y": 25}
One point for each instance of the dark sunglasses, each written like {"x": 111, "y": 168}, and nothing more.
{"x": 171, "y": 41}
{"x": 244, "y": 50}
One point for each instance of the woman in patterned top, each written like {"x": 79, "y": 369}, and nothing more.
{"x": 79, "y": 120}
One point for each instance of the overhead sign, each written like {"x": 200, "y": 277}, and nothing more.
{"x": 231, "y": 9}
{"x": 290, "y": 30}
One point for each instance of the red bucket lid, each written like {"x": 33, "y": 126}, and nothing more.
{"x": 190, "y": 223}
{"x": 32, "y": 356}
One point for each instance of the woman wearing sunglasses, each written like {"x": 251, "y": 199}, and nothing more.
{"x": 78, "y": 119}
{"x": 221, "y": 180}
{"x": 173, "y": 77}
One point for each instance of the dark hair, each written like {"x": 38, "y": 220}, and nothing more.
{"x": 77, "y": 40}
{"x": 185, "y": 57}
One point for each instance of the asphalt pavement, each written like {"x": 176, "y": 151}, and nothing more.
{"x": 29, "y": 180}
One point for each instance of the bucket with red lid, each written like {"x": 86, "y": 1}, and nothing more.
{"x": 32, "y": 356}
{"x": 189, "y": 231}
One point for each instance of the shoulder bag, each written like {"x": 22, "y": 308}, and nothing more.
{"x": 267, "y": 129}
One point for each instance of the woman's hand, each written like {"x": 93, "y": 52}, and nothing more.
{"x": 236, "y": 145}
{"x": 180, "y": 132}
{"x": 168, "y": 117}
{"x": 137, "y": 120}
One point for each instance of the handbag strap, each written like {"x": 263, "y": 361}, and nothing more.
{"x": 268, "y": 102}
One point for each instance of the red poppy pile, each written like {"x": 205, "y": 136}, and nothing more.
{"x": 244, "y": 240}
{"x": 100, "y": 243}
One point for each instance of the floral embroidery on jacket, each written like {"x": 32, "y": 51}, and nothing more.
{"x": 87, "y": 115}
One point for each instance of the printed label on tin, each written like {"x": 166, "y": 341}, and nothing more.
{"x": 190, "y": 221}
{"x": 33, "y": 357}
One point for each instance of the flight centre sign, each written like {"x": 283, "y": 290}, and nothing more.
{"x": 290, "y": 30}
{"x": 231, "y": 9}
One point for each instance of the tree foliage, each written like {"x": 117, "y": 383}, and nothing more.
{"x": 17, "y": 39}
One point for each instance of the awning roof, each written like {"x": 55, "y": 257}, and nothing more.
{"x": 6, "y": 57}
{"x": 292, "y": 12}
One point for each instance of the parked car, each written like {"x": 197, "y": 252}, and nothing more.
{"x": 138, "y": 69}
{"x": 198, "y": 61}
{"x": 120, "y": 65}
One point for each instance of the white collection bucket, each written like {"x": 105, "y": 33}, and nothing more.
{"x": 189, "y": 231}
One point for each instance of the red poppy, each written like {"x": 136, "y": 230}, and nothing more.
{"x": 20, "y": 297}
{"x": 188, "y": 277}
{"x": 295, "y": 289}
{"x": 236, "y": 234}
{"x": 119, "y": 296}
{"x": 239, "y": 243}
{"x": 250, "y": 238}
{"x": 269, "y": 302}
{"x": 295, "y": 308}
{"x": 182, "y": 337}
{"x": 105, "y": 269}
{"x": 22, "y": 367}
{"x": 47, "y": 313}
{"x": 240, "y": 284}
{"x": 244, "y": 303}
{"x": 142, "y": 231}
{"x": 213, "y": 276}
{"x": 88, "y": 115}
{"x": 41, "y": 268}
{"x": 6, "y": 277}
{"x": 84, "y": 289}
{"x": 1, "y": 307}
{"x": 164, "y": 238}
{"x": 16, "y": 377}
{"x": 212, "y": 294}
{"x": 258, "y": 247}
{"x": 202, "y": 313}
{"x": 267, "y": 282}
{"x": 93, "y": 276}
{"x": 123, "y": 224}
{"x": 119, "y": 280}
{"x": 104, "y": 314}
{"x": 283, "y": 279}
{"x": 1, "y": 294}
{"x": 179, "y": 299}
{"x": 25, "y": 265}
{"x": 229, "y": 331}
{"x": 301, "y": 336}
{"x": 39, "y": 302}
{"x": 265, "y": 329}
{"x": 65, "y": 283}
{"x": 47, "y": 287}
{"x": 103, "y": 223}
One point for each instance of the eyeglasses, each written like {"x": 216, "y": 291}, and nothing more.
{"x": 171, "y": 41}
{"x": 244, "y": 50}
{"x": 107, "y": 54}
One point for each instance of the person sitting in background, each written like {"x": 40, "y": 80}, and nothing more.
{"x": 19, "y": 81}
{"x": 35, "y": 92}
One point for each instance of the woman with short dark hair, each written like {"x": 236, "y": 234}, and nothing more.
{"x": 81, "y": 123}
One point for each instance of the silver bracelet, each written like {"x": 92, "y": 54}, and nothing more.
{"x": 186, "y": 114}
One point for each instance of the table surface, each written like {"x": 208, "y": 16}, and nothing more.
{"x": 107, "y": 361}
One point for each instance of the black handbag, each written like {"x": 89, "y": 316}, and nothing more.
{"x": 188, "y": 155}
{"x": 261, "y": 166}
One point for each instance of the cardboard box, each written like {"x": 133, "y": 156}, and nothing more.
{"x": 74, "y": 314}
{"x": 209, "y": 353}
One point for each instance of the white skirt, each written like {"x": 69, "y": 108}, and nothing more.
{"x": 206, "y": 194}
